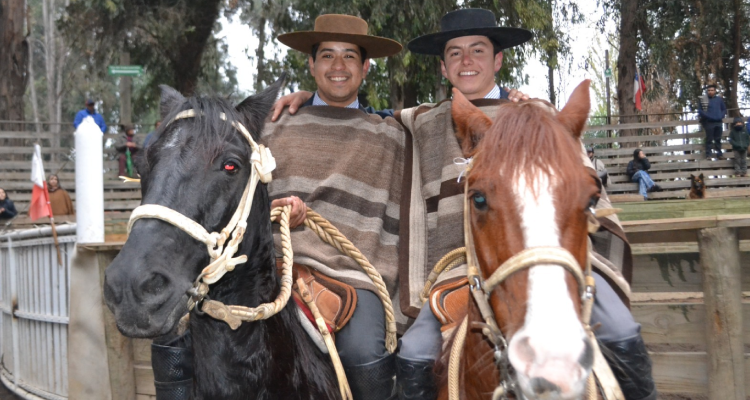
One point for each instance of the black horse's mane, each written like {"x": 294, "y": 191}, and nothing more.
{"x": 214, "y": 132}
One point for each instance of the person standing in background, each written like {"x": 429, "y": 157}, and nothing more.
{"x": 712, "y": 112}
{"x": 90, "y": 111}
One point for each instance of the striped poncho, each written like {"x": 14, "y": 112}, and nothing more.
{"x": 432, "y": 205}
{"x": 348, "y": 167}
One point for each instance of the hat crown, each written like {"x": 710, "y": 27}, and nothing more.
{"x": 338, "y": 23}
{"x": 468, "y": 18}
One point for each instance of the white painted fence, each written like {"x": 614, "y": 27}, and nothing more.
{"x": 34, "y": 310}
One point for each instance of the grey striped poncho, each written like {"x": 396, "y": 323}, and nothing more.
{"x": 348, "y": 167}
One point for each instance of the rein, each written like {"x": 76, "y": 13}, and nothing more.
{"x": 222, "y": 252}
{"x": 481, "y": 289}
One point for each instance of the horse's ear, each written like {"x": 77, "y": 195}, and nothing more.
{"x": 575, "y": 113}
{"x": 471, "y": 122}
{"x": 255, "y": 108}
{"x": 170, "y": 99}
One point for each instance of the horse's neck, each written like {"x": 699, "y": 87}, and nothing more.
{"x": 261, "y": 356}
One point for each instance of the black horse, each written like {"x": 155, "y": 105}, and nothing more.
{"x": 199, "y": 167}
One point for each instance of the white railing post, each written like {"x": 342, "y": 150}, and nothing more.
{"x": 89, "y": 183}
{"x": 13, "y": 304}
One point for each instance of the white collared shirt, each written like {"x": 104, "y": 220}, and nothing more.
{"x": 494, "y": 93}
{"x": 317, "y": 101}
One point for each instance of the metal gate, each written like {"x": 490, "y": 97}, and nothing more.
{"x": 34, "y": 309}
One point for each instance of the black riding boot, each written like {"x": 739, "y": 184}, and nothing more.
{"x": 173, "y": 369}
{"x": 415, "y": 379}
{"x": 631, "y": 366}
{"x": 372, "y": 381}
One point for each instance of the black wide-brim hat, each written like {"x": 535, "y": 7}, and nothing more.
{"x": 341, "y": 28}
{"x": 468, "y": 22}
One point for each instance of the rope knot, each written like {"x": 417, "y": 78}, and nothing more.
{"x": 466, "y": 163}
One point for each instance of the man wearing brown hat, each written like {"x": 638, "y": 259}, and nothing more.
{"x": 345, "y": 163}
{"x": 127, "y": 145}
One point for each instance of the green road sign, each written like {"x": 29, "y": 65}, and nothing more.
{"x": 125, "y": 70}
{"x": 607, "y": 72}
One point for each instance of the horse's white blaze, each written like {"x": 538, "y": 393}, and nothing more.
{"x": 552, "y": 338}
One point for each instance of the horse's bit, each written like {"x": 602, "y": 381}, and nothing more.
{"x": 481, "y": 289}
{"x": 221, "y": 252}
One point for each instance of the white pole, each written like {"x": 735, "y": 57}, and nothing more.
{"x": 89, "y": 183}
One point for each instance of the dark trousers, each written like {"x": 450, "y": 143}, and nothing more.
{"x": 713, "y": 136}
{"x": 123, "y": 164}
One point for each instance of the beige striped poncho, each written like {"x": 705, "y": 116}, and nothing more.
{"x": 347, "y": 166}
{"x": 432, "y": 205}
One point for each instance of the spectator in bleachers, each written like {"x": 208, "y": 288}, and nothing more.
{"x": 7, "y": 208}
{"x": 601, "y": 170}
{"x": 637, "y": 171}
{"x": 150, "y": 136}
{"x": 59, "y": 199}
{"x": 740, "y": 140}
{"x": 90, "y": 111}
{"x": 127, "y": 146}
{"x": 711, "y": 113}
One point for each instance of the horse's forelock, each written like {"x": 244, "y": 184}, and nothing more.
{"x": 525, "y": 140}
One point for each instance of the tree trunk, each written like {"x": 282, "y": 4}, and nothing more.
{"x": 731, "y": 94}
{"x": 626, "y": 64}
{"x": 14, "y": 51}
{"x": 551, "y": 80}
{"x": 187, "y": 64}
{"x": 260, "y": 56}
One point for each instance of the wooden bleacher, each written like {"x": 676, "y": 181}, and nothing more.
{"x": 673, "y": 158}
{"x": 15, "y": 172}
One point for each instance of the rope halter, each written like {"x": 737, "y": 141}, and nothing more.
{"x": 223, "y": 245}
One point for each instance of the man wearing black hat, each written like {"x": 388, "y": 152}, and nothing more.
{"x": 90, "y": 111}
{"x": 470, "y": 47}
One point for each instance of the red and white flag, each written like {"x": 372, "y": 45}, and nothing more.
{"x": 39, "y": 206}
{"x": 640, "y": 89}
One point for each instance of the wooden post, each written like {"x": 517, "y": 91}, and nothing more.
{"x": 720, "y": 263}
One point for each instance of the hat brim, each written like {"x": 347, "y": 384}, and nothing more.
{"x": 375, "y": 46}
{"x": 434, "y": 43}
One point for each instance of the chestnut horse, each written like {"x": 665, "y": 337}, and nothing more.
{"x": 526, "y": 188}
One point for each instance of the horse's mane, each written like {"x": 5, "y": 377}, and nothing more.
{"x": 207, "y": 126}
{"x": 526, "y": 138}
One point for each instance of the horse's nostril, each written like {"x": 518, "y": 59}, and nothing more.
{"x": 154, "y": 284}
{"x": 112, "y": 293}
{"x": 541, "y": 386}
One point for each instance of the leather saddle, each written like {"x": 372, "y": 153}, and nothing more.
{"x": 335, "y": 300}
{"x": 449, "y": 302}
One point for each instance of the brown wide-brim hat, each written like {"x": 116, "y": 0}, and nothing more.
{"x": 468, "y": 22}
{"x": 341, "y": 28}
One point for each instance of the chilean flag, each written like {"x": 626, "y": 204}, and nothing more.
{"x": 39, "y": 206}
{"x": 640, "y": 88}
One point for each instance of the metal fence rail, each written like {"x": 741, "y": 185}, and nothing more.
{"x": 34, "y": 299}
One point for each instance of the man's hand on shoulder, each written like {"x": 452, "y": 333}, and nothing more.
{"x": 293, "y": 100}
{"x": 299, "y": 209}
{"x": 516, "y": 95}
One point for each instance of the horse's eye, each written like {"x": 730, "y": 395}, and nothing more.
{"x": 593, "y": 201}
{"x": 231, "y": 167}
{"x": 480, "y": 202}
